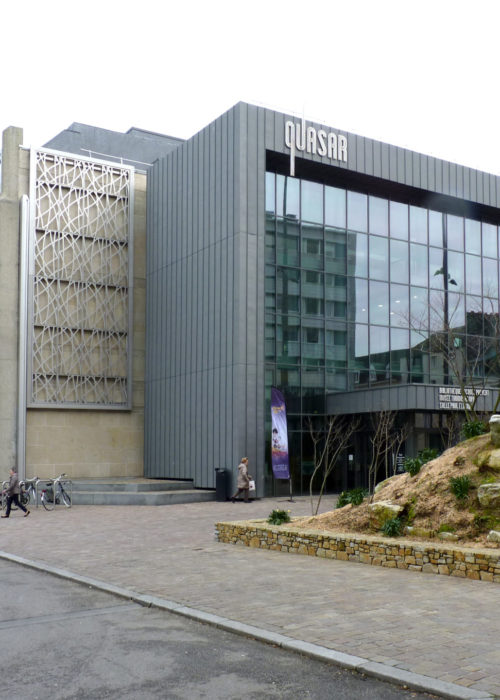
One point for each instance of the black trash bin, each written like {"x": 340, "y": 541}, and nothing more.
{"x": 220, "y": 484}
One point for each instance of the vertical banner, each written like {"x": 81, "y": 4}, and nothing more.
{"x": 279, "y": 436}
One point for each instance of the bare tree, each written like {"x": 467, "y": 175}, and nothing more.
{"x": 386, "y": 441}
{"x": 329, "y": 441}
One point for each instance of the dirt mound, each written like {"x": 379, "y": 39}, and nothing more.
{"x": 427, "y": 500}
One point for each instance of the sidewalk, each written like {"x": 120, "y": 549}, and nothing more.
{"x": 437, "y": 633}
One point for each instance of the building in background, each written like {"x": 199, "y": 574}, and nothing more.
{"x": 264, "y": 251}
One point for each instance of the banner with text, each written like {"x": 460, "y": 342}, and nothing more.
{"x": 279, "y": 436}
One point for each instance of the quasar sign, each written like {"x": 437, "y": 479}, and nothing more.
{"x": 299, "y": 138}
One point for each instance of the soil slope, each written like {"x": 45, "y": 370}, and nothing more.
{"x": 427, "y": 500}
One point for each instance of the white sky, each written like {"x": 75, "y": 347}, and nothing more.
{"x": 420, "y": 74}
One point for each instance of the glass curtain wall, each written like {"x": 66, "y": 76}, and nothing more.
{"x": 363, "y": 291}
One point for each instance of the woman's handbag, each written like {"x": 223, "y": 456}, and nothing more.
{"x": 251, "y": 485}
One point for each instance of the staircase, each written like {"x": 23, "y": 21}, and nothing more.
{"x": 137, "y": 492}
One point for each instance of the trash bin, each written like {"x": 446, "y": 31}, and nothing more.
{"x": 220, "y": 484}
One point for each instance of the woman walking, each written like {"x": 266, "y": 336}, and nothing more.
{"x": 12, "y": 493}
{"x": 243, "y": 480}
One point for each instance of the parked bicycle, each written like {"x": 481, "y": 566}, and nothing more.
{"x": 55, "y": 492}
{"x": 29, "y": 491}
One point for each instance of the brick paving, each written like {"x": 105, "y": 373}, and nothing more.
{"x": 438, "y": 626}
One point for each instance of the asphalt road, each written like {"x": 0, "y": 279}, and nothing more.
{"x": 59, "y": 639}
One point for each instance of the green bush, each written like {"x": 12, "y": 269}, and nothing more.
{"x": 277, "y": 517}
{"x": 392, "y": 527}
{"x": 460, "y": 487}
{"x": 473, "y": 428}
{"x": 412, "y": 465}
{"x": 354, "y": 496}
{"x": 445, "y": 527}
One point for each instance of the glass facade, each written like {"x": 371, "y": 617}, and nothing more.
{"x": 362, "y": 291}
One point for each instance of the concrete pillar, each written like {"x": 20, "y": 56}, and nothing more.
{"x": 12, "y": 184}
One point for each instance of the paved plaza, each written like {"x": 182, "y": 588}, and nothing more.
{"x": 443, "y": 629}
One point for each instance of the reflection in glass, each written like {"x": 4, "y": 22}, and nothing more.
{"x": 419, "y": 308}
{"x": 312, "y": 202}
{"x": 313, "y": 343}
{"x": 436, "y": 267}
{"x": 490, "y": 278}
{"x": 287, "y": 196}
{"x": 455, "y": 232}
{"x": 335, "y": 207}
{"x": 379, "y": 302}
{"x": 379, "y": 215}
{"x": 378, "y": 259}
{"x": 456, "y": 310}
{"x": 270, "y": 340}
{"x": 399, "y": 312}
{"x": 288, "y": 290}
{"x": 379, "y": 355}
{"x": 418, "y": 265}
{"x": 455, "y": 270}
{"x": 357, "y": 254}
{"x": 473, "y": 274}
{"x": 288, "y": 339}
{"x": 418, "y": 225}
{"x": 400, "y": 356}
{"x": 399, "y": 220}
{"x": 436, "y": 228}
{"x": 335, "y": 251}
{"x": 472, "y": 236}
{"x": 270, "y": 285}
{"x": 361, "y": 300}
{"x": 287, "y": 242}
{"x": 358, "y": 356}
{"x": 270, "y": 239}
{"x": 357, "y": 215}
{"x": 312, "y": 246}
{"x": 489, "y": 240}
{"x": 399, "y": 261}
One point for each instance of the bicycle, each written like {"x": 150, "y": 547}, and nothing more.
{"x": 54, "y": 493}
{"x": 28, "y": 492}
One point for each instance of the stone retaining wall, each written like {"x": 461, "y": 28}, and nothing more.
{"x": 480, "y": 564}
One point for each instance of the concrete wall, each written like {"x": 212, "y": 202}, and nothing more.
{"x": 99, "y": 443}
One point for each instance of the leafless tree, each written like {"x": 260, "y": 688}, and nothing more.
{"x": 386, "y": 442}
{"x": 329, "y": 441}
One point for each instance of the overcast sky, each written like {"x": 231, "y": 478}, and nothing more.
{"x": 422, "y": 75}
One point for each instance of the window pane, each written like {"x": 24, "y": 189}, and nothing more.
{"x": 288, "y": 339}
{"x": 288, "y": 290}
{"x": 270, "y": 284}
{"x": 312, "y": 202}
{"x": 312, "y": 293}
{"x": 400, "y": 356}
{"x": 455, "y": 271}
{"x": 379, "y": 303}
{"x": 379, "y": 215}
{"x": 379, "y": 355}
{"x": 357, "y": 254}
{"x": 358, "y": 351}
{"x": 490, "y": 278}
{"x": 419, "y": 308}
{"x": 270, "y": 238}
{"x": 287, "y": 242}
{"x": 312, "y": 247}
{"x": 456, "y": 310}
{"x": 287, "y": 196}
{"x": 399, "y": 261}
{"x": 472, "y": 236}
{"x": 335, "y": 251}
{"x": 399, "y": 311}
{"x": 436, "y": 268}
{"x": 399, "y": 220}
{"x": 313, "y": 344}
{"x": 357, "y": 211}
{"x": 473, "y": 274}
{"x": 435, "y": 228}
{"x": 418, "y": 225}
{"x": 489, "y": 239}
{"x": 335, "y": 207}
{"x": 418, "y": 265}
{"x": 378, "y": 257}
{"x": 455, "y": 232}
{"x": 361, "y": 301}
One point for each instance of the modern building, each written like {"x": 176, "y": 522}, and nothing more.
{"x": 356, "y": 276}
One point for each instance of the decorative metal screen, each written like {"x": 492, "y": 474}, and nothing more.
{"x": 80, "y": 272}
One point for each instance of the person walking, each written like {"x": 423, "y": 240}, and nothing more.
{"x": 12, "y": 493}
{"x": 243, "y": 481}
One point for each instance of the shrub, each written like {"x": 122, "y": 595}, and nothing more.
{"x": 445, "y": 527}
{"x": 277, "y": 517}
{"x": 354, "y": 496}
{"x": 392, "y": 527}
{"x": 412, "y": 465}
{"x": 473, "y": 428}
{"x": 460, "y": 487}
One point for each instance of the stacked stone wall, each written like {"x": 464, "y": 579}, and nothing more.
{"x": 463, "y": 562}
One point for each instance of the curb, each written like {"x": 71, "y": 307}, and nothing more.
{"x": 397, "y": 676}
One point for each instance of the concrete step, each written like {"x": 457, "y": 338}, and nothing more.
{"x": 141, "y": 498}
{"x": 130, "y": 485}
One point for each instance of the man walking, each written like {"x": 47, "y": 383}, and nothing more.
{"x": 12, "y": 493}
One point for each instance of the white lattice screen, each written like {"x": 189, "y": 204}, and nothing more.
{"x": 80, "y": 272}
